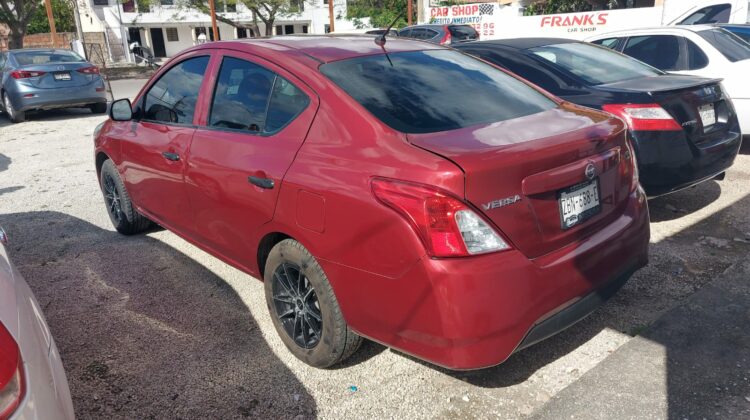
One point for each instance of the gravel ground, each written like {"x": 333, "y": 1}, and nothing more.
{"x": 151, "y": 327}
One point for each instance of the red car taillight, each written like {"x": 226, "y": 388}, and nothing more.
{"x": 447, "y": 37}
{"x": 11, "y": 374}
{"x": 89, "y": 70}
{"x": 25, "y": 74}
{"x": 644, "y": 117}
{"x": 446, "y": 226}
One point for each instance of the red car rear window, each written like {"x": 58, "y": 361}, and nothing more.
{"x": 431, "y": 91}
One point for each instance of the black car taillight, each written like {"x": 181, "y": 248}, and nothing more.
{"x": 11, "y": 374}
{"x": 644, "y": 117}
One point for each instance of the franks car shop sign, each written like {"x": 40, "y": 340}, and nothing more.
{"x": 494, "y": 21}
{"x": 478, "y": 15}
{"x": 583, "y": 22}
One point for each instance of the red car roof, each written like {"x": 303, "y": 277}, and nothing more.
{"x": 331, "y": 48}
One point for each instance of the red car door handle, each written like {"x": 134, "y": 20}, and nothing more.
{"x": 266, "y": 183}
{"x": 171, "y": 156}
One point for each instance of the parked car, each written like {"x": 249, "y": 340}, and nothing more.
{"x": 418, "y": 197}
{"x": 697, "y": 50}
{"x": 390, "y": 32}
{"x": 684, "y": 128}
{"x": 40, "y": 79}
{"x": 742, "y": 31}
{"x": 32, "y": 379}
{"x": 440, "y": 34}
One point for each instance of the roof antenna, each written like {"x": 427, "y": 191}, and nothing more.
{"x": 380, "y": 40}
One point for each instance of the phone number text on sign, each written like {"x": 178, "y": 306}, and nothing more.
{"x": 478, "y": 16}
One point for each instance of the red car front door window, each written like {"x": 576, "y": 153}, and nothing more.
{"x": 155, "y": 148}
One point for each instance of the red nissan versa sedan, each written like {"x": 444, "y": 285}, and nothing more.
{"x": 409, "y": 194}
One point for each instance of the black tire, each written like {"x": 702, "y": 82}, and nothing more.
{"x": 124, "y": 217}
{"x": 13, "y": 115}
{"x": 98, "y": 108}
{"x": 335, "y": 341}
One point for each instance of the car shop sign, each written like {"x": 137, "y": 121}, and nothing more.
{"x": 478, "y": 15}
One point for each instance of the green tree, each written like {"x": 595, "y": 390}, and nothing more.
{"x": 17, "y": 14}
{"x": 380, "y": 12}
{"x": 545, "y": 7}
{"x": 264, "y": 10}
{"x": 62, "y": 11}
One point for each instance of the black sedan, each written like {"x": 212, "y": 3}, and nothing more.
{"x": 684, "y": 128}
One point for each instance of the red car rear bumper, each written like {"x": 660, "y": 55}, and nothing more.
{"x": 471, "y": 313}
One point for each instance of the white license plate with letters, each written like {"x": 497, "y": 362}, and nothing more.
{"x": 62, "y": 76}
{"x": 708, "y": 115}
{"x": 578, "y": 203}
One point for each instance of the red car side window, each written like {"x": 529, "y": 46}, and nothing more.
{"x": 173, "y": 97}
{"x": 251, "y": 98}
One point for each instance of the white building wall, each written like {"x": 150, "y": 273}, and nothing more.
{"x": 184, "y": 40}
{"x": 99, "y": 18}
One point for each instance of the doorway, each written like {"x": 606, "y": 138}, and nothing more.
{"x": 134, "y": 35}
{"x": 157, "y": 41}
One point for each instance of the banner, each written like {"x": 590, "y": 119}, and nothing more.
{"x": 480, "y": 16}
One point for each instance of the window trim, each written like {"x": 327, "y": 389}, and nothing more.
{"x": 434, "y": 32}
{"x": 687, "y": 42}
{"x": 139, "y": 112}
{"x": 252, "y": 59}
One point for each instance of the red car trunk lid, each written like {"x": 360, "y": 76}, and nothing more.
{"x": 515, "y": 170}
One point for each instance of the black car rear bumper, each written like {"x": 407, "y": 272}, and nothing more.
{"x": 668, "y": 161}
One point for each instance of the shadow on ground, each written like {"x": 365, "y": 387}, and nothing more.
{"x": 60, "y": 114}
{"x": 145, "y": 331}
{"x": 693, "y": 362}
{"x": 679, "y": 266}
{"x": 5, "y": 162}
{"x": 676, "y": 205}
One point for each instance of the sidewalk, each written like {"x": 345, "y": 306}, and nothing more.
{"x": 693, "y": 363}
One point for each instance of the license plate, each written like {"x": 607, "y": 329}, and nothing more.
{"x": 62, "y": 76}
{"x": 708, "y": 115}
{"x": 578, "y": 203}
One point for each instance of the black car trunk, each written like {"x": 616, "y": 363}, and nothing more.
{"x": 698, "y": 105}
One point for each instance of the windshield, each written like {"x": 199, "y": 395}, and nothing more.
{"x": 729, "y": 45}
{"x": 431, "y": 91}
{"x": 25, "y": 58}
{"x": 594, "y": 65}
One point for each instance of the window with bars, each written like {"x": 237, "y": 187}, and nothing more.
{"x": 172, "y": 35}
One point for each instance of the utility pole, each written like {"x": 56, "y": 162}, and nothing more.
{"x": 330, "y": 16}
{"x": 51, "y": 19}
{"x": 213, "y": 19}
{"x": 409, "y": 12}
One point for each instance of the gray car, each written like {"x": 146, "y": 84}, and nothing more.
{"x": 39, "y": 79}
{"x": 440, "y": 34}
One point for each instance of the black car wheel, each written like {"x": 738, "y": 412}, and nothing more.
{"x": 14, "y": 115}
{"x": 304, "y": 309}
{"x": 123, "y": 215}
{"x": 98, "y": 108}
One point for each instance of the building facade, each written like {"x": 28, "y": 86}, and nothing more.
{"x": 167, "y": 27}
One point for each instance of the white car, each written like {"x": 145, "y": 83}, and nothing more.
{"x": 32, "y": 380}
{"x": 698, "y": 50}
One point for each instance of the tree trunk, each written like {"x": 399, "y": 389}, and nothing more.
{"x": 269, "y": 26}
{"x": 15, "y": 38}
